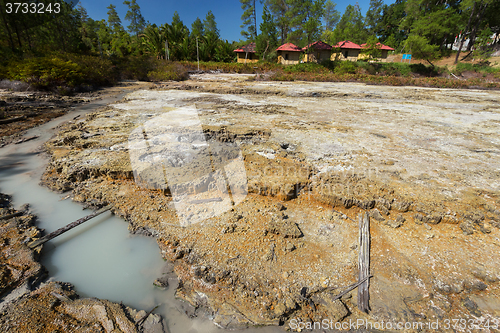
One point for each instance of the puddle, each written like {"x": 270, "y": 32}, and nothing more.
{"x": 100, "y": 258}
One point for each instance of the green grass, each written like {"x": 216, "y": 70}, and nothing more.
{"x": 478, "y": 68}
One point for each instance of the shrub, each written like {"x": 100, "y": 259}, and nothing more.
{"x": 46, "y": 72}
{"x": 96, "y": 71}
{"x": 307, "y": 67}
{"x": 346, "y": 67}
{"x": 135, "y": 67}
{"x": 63, "y": 73}
{"x": 168, "y": 71}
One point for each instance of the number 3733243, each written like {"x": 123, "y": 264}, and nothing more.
{"x": 32, "y": 8}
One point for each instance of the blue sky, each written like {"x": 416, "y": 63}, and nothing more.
{"x": 227, "y": 12}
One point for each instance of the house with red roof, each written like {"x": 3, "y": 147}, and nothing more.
{"x": 289, "y": 54}
{"x": 317, "y": 52}
{"x": 383, "y": 48}
{"x": 247, "y": 54}
{"x": 348, "y": 51}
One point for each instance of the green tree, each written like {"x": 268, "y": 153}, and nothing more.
{"x": 436, "y": 21}
{"x": 373, "y": 18}
{"x": 209, "y": 24}
{"x": 197, "y": 29}
{"x": 421, "y": 48}
{"x": 331, "y": 16}
{"x": 267, "y": 41}
{"x": 153, "y": 39}
{"x": 249, "y": 18}
{"x": 224, "y": 52}
{"x": 114, "y": 22}
{"x": 134, "y": 16}
{"x": 350, "y": 27}
{"x": 372, "y": 50}
{"x": 306, "y": 20}
{"x": 389, "y": 30}
{"x": 176, "y": 32}
{"x": 281, "y": 12}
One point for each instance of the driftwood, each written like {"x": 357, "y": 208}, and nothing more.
{"x": 26, "y": 139}
{"x": 11, "y": 120}
{"x": 9, "y": 216}
{"x": 364, "y": 262}
{"x": 143, "y": 319}
{"x": 351, "y": 287}
{"x": 68, "y": 227}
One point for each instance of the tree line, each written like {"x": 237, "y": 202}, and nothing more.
{"x": 72, "y": 30}
{"x": 423, "y": 27}
{"x": 427, "y": 28}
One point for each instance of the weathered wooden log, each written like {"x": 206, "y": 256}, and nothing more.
{"x": 351, "y": 287}
{"x": 364, "y": 262}
{"x": 68, "y": 227}
{"x": 6, "y": 217}
{"x": 11, "y": 120}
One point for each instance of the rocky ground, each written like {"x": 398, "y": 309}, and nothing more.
{"x": 423, "y": 162}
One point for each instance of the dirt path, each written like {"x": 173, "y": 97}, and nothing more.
{"x": 424, "y": 162}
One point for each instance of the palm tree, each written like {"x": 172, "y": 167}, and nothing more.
{"x": 153, "y": 40}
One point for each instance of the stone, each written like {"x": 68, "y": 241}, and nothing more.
{"x": 289, "y": 247}
{"x": 418, "y": 218}
{"x": 228, "y": 229}
{"x": 280, "y": 206}
{"x": 365, "y": 204}
{"x": 375, "y": 214}
{"x": 433, "y": 219}
{"x": 401, "y": 206}
{"x": 161, "y": 282}
{"x": 467, "y": 227}
{"x": 285, "y": 228}
{"x": 471, "y": 306}
{"x": 397, "y": 222}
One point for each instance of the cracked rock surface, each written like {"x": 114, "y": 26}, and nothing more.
{"x": 424, "y": 162}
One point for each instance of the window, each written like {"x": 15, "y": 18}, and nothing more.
{"x": 286, "y": 56}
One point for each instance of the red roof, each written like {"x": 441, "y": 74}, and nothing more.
{"x": 381, "y": 46}
{"x": 346, "y": 44}
{"x": 319, "y": 45}
{"x": 250, "y": 48}
{"x": 289, "y": 47}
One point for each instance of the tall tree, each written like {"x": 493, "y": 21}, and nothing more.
{"x": 331, "y": 16}
{"x": 390, "y": 32}
{"x": 176, "y": 32}
{"x": 153, "y": 40}
{"x": 209, "y": 24}
{"x": 437, "y": 21}
{"x": 267, "y": 40}
{"x": 114, "y": 22}
{"x": 137, "y": 21}
{"x": 280, "y": 10}
{"x": 350, "y": 27}
{"x": 197, "y": 29}
{"x": 373, "y": 18}
{"x": 306, "y": 20}
{"x": 120, "y": 41}
{"x": 249, "y": 18}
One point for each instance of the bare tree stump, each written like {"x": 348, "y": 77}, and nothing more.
{"x": 364, "y": 262}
